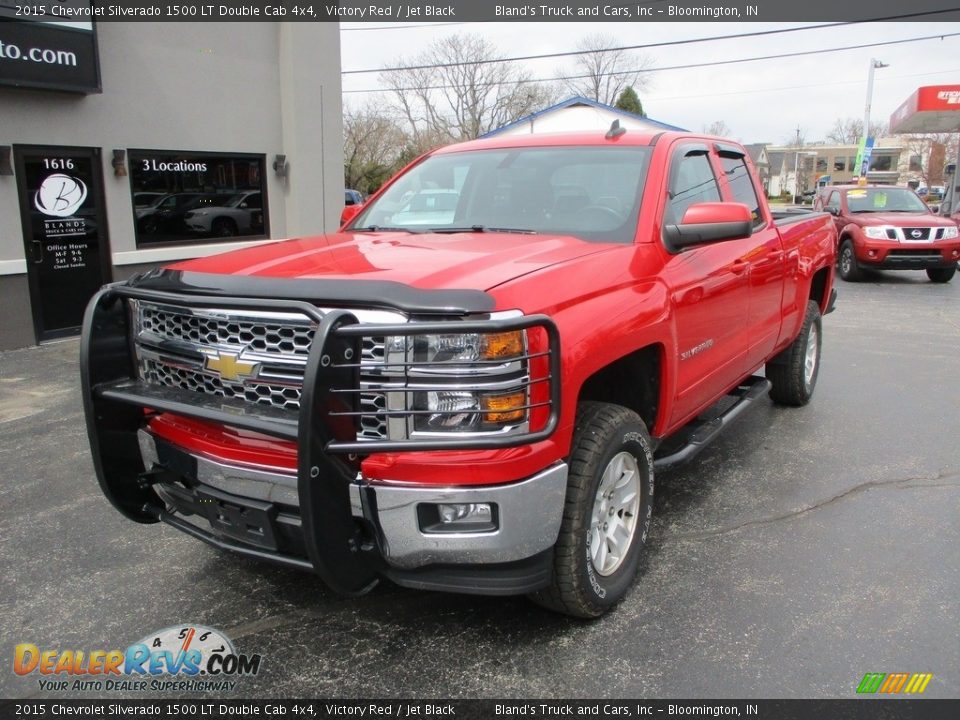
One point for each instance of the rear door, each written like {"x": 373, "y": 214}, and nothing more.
{"x": 709, "y": 288}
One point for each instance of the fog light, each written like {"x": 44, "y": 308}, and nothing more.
{"x": 955, "y": 253}
{"x": 465, "y": 512}
{"x": 872, "y": 253}
{"x": 457, "y": 517}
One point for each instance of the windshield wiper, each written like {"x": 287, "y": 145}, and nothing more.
{"x": 482, "y": 229}
{"x": 381, "y": 228}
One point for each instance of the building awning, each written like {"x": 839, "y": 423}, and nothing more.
{"x": 930, "y": 109}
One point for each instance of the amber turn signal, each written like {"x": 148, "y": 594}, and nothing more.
{"x": 504, "y": 408}
{"x": 501, "y": 346}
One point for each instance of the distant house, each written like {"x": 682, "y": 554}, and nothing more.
{"x": 776, "y": 182}
{"x": 578, "y": 114}
{"x": 758, "y": 154}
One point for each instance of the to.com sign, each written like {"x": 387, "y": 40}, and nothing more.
{"x": 9, "y": 51}
{"x": 60, "y": 195}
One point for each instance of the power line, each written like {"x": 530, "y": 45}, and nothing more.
{"x": 657, "y": 98}
{"x": 677, "y": 67}
{"x": 586, "y": 52}
{"x": 689, "y": 41}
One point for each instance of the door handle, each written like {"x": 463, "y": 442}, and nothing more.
{"x": 37, "y": 252}
{"x": 738, "y": 267}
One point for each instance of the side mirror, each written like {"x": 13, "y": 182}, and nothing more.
{"x": 709, "y": 222}
{"x": 835, "y": 211}
{"x": 349, "y": 213}
{"x": 244, "y": 206}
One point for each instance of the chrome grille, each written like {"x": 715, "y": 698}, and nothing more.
{"x": 208, "y": 330}
{"x": 916, "y": 233}
{"x": 173, "y": 344}
{"x": 161, "y": 373}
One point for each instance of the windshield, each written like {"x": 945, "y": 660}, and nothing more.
{"x": 589, "y": 192}
{"x": 867, "y": 200}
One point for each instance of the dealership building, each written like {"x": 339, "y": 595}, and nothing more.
{"x": 125, "y": 146}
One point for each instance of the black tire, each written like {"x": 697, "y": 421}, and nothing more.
{"x": 603, "y": 431}
{"x": 224, "y": 227}
{"x": 149, "y": 226}
{"x": 847, "y": 259}
{"x": 793, "y": 383}
{"x": 941, "y": 275}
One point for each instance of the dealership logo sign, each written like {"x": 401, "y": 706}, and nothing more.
{"x": 60, "y": 195}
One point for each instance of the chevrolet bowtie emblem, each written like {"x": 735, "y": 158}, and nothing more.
{"x": 229, "y": 366}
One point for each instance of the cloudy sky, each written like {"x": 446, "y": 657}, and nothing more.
{"x": 760, "y": 101}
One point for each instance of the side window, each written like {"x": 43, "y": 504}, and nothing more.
{"x": 741, "y": 186}
{"x": 834, "y": 202}
{"x": 692, "y": 182}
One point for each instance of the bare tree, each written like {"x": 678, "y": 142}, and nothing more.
{"x": 847, "y": 131}
{"x": 928, "y": 154}
{"x": 372, "y": 145}
{"x": 459, "y": 89}
{"x": 717, "y": 127}
{"x": 607, "y": 72}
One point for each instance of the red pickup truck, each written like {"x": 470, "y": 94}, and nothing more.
{"x": 471, "y": 385}
{"x": 882, "y": 227}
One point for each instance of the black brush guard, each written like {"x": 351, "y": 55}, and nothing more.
{"x": 116, "y": 404}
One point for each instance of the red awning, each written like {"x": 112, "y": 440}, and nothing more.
{"x": 934, "y": 108}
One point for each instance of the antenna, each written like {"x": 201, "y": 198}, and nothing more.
{"x": 615, "y": 130}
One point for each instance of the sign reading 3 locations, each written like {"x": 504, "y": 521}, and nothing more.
{"x": 40, "y": 47}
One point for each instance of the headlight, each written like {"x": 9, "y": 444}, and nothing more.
{"x": 467, "y": 348}
{"x": 877, "y": 233}
{"x": 487, "y": 378}
{"x": 951, "y": 233}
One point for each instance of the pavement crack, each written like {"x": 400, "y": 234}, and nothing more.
{"x": 897, "y": 483}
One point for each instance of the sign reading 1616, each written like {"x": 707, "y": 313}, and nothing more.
{"x": 58, "y": 163}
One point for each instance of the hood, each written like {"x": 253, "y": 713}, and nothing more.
{"x": 475, "y": 261}
{"x": 899, "y": 219}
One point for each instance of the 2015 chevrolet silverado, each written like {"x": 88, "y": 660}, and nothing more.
{"x": 471, "y": 385}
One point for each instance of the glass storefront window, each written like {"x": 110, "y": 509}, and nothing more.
{"x": 190, "y": 197}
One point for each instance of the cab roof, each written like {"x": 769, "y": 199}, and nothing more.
{"x": 583, "y": 138}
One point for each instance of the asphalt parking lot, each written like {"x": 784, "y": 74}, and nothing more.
{"x": 804, "y": 549}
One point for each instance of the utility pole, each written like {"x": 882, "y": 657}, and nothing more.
{"x": 874, "y": 65}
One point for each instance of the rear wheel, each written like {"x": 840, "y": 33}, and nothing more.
{"x": 941, "y": 275}
{"x": 793, "y": 373}
{"x": 849, "y": 270}
{"x": 224, "y": 227}
{"x": 607, "y": 513}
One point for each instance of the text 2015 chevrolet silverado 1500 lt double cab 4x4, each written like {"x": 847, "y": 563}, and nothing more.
{"x": 471, "y": 385}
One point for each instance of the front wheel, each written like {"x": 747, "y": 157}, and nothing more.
{"x": 941, "y": 275}
{"x": 607, "y": 513}
{"x": 793, "y": 373}
{"x": 849, "y": 270}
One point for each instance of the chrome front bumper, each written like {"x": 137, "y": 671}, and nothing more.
{"x": 528, "y": 514}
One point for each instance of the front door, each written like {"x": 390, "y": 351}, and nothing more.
{"x": 710, "y": 290}
{"x": 64, "y": 233}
